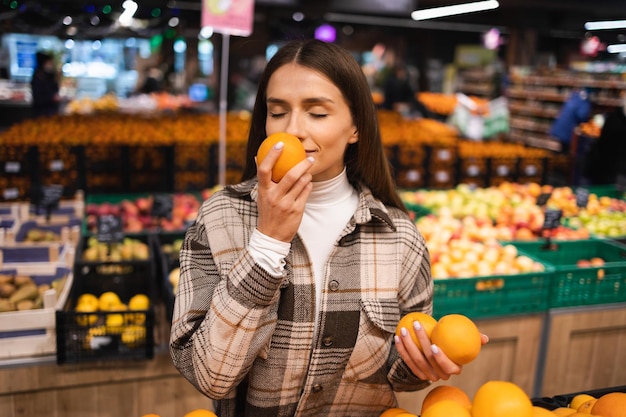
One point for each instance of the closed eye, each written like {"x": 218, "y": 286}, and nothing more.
{"x": 277, "y": 115}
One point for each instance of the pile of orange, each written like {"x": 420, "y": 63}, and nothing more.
{"x": 506, "y": 399}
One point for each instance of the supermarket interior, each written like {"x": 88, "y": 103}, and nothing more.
{"x": 504, "y": 127}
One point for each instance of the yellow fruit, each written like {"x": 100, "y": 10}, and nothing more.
{"x": 563, "y": 411}
{"x": 151, "y": 415}
{"x": 610, "y": 405}
{"x": 114, "y": 323}
{"x": 579, "y": 399}
{"x": 88, "y": 299}
{"x": 393, "y": 412}
{"x": 446, "y": 408}
{"x": 501, "y": 398}
{"x": 427, "y": 322}
{"x": 133, "y": 335}
{"x": 86, "y": 319}
{"x": 446, "y": 392}
{"x": 108, "y": 300}
{"x": 585, "y": 408}
{"x": 292, "y": 153}
{"x": 139, "y": 302}
{"x": 458, "y": 337}
{"x": 542, "y": 412}
{"x": 200, "y": 412}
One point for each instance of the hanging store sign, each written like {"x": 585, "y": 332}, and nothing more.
{"x": 233, "y": 17}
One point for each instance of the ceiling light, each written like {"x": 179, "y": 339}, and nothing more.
{"x": 455, "y": 9}
{"x": 617, "y": 48}
{"x": 130, "y": 8}
{"x": 606, "y": 24}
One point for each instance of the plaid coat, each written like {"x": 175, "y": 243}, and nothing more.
{"x": 246, "y": 338}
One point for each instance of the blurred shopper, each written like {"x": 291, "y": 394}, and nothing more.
{"x": 45, "y": 86}
{"x": 400, "y": 94}
{"x": 576, "y": 110}
{"x": 606, "y": 160}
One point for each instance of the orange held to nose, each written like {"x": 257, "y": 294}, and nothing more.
{"x": 292, "y": 153}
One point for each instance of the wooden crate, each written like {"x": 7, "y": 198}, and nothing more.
{"x": 33, "y": 332}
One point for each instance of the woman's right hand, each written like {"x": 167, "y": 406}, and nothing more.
{"x": 281, "y": 205}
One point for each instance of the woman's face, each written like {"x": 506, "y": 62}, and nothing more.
{"x": 304, "y": 103}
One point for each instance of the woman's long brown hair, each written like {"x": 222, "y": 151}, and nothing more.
{"x": 365, "y": 160}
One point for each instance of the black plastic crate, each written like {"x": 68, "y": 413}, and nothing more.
{"x": 563, "y": 400}
{"x": 84, "y": 337}
{"x": 114, "y": 333}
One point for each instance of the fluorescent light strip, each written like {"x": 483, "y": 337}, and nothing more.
{"x": 435, "y": 12}
{"x": 617, "y": 48}
{"x": 606, "y": 24}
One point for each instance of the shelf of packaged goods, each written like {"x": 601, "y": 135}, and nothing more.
{"x": 569, "y": 81}
{"x": 534, "y": 110}
{"x": 518, "y": 92}
{"x": 530, "y": 124}
{"x": 534, "y": 140}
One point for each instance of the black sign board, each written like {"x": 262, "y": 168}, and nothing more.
{"x": 582, "y": 197}
{"x": 110, "y": 229}
{"x": 543, "y": 198}
{"x": 46, "y": 197}
{"x": 552, "y": 219}
{"x": 162, "y": 205}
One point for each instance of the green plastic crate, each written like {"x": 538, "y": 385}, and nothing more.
{"x": 580, "y": 286}
{"x": 493, "y": 296}
{"x": 610, "y": 190}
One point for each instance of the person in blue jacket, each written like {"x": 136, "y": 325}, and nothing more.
{"x": 576, "y": 109}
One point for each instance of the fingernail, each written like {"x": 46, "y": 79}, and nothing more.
{"x": 311, "y": 159}
{"x": 279, "y": 145}
{"x": 417, "y": 326}
{"x": 434, "y": 349}
{"x": 404, "y": 332}
{"x": 397, "y": 340}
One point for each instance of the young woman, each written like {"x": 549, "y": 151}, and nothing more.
{"x": 290, "y": 292}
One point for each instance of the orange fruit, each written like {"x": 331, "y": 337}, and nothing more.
{"x": 458, "y": 337}
{"x": 427, "y": 322}
{"x": 292, "y": 153}
{"x": 542, "y": 412}
{"x": 446, "y": 392}
{"x": 586, "y": 407}
{"x": 151, "y": 415}
{"x": 393, "y": 412}
{"x": 200, "y": 412}
{"x": 610, "y": 405}
{"x": 579, "y": 399}
{"x": 446, "y": 408}
{"x": 563, "y": 411}
{"x": 501, "y": 398}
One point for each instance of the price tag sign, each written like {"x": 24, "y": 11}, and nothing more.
{"x": 12, "y": 167}
{"x": 110, "y": 229}
{"x": 582, "y": 197}
{"x": 47, "y": 197}
{"x": 552, "y": 219}
{"x": 162, "y": 205}
{"x": 542, "y": 199}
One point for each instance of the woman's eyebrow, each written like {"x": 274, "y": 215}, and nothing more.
{"x": 311, "y": 100}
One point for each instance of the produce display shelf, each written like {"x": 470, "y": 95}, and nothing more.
{"x": 32, "y": 332}
{"x": 573, "y": 285}
{"x": 493, "y": 296}
{"x": 563, "y": 400}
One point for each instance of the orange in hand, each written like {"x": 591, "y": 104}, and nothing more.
{"x": 458, "y": 337}
{"x": 292, "y": 153}
{"x": 427, "y": 322}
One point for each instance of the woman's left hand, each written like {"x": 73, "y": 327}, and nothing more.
{"x": 430, "y": 363}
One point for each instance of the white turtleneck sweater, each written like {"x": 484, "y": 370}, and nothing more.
{"x": 330, "y": 206}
